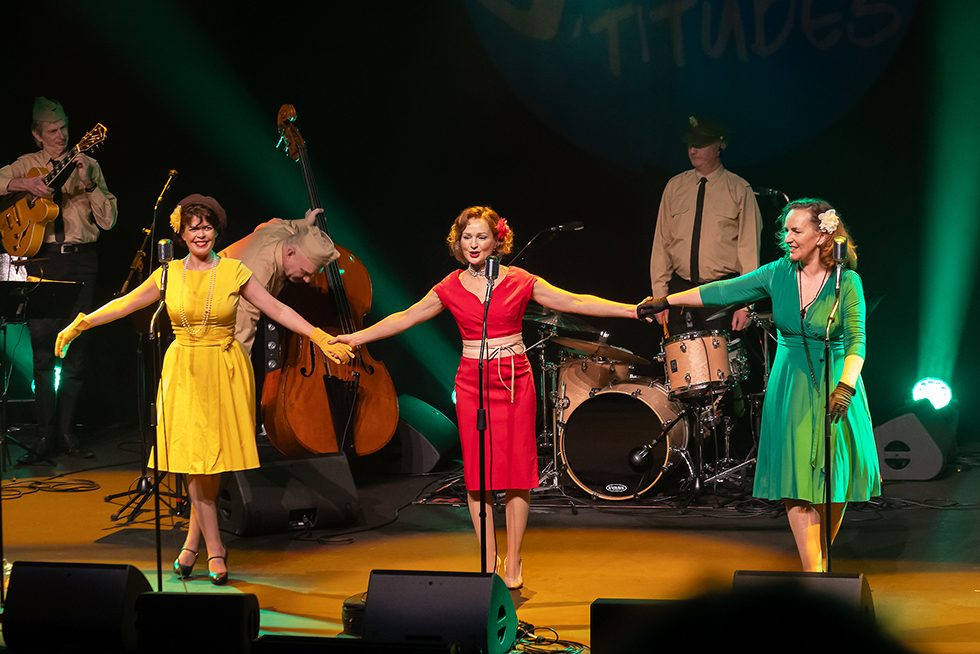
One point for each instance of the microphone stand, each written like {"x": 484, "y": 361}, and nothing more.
{"x": 570, "y": 227}
{"x": 154, "y": 336}
{"x": 481, "y": 421}
{"x": 828, "y": 367}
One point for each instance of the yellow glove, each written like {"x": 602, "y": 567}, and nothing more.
{"x": 338, "y": 352}
{"x": 70, "y": 333}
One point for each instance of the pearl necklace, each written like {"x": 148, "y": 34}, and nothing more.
{"x": 207, "y": 306}
{"x": 476, "y": 273}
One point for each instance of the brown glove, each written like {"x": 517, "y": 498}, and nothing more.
{"x": 70, "y": 333}
{"x": 840, "y": 399}
{"x": 338, "y": 352}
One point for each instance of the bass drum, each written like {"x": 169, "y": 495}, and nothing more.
{"x": 598, "y": 439}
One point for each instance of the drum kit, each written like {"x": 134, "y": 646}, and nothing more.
{"x": 616, "y": 435}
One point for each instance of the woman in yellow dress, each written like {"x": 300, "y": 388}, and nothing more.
{"x": 206, "y": 399}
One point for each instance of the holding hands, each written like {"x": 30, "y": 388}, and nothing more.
{"x": 651, "y": 307}
{"x": 338, "y": 352}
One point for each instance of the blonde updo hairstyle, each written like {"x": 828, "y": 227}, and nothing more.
{"x": 813, "y": 207}
{"x": 503, "y": 245}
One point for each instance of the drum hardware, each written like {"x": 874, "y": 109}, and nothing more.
{"x": 765, "y": 322}
{"x": 546, "y": 440}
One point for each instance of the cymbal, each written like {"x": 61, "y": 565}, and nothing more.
{"x": 568, "y": 322}
{"x": 589, "y": 348}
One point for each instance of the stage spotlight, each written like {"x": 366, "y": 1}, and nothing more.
{"x": 935, "y": 390}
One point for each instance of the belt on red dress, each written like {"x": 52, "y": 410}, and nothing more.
{"x": 498, "y": 348}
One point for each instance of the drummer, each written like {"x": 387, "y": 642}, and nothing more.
{"x": 708, "y": 228}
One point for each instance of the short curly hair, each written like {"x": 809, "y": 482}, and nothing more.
{"x": 503, "y": 245}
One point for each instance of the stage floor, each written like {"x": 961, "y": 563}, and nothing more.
{"x": 918, "y": 547}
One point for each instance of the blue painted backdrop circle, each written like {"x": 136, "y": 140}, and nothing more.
{"x": 620, "y": 79}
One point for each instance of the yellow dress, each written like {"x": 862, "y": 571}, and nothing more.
{"x": 206, "y": 399}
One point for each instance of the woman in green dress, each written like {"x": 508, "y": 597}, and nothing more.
{"x": 790, "y": 463}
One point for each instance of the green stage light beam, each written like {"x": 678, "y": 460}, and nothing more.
{"x": 174, "y": 57}
{"x": 952, "y": 220}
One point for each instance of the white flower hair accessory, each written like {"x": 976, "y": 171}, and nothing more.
{"x": 829, "y": 221}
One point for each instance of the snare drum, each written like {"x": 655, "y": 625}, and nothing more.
{"x": 696, "y": 363}
{"x": 597, "y": 441}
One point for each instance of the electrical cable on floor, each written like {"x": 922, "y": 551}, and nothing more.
{"x": 527, "y": 641}
{"x": 17, "y": 489}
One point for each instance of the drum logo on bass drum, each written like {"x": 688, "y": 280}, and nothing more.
{"x": 616, "y": 488}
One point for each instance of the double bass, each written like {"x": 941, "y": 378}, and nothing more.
{"x": 312, "y": 405}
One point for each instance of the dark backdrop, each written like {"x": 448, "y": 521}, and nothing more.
{"x": 408, "y": 121}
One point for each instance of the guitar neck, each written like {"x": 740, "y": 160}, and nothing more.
{"x": 60, "y": 166}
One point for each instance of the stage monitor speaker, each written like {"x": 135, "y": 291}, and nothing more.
{"x": 627, "y": 626}
{"x": 427, "y": 437}
{"x": 850, "y": 589}
{"x": 72, "y": 606}
{"x": 293, "y": 494}
{"x": 470, "y": 609}
{"x": 203, "y": 622}
{"x": 918, "y": 444}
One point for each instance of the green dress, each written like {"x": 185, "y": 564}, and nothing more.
{"x": 791, "y": 446}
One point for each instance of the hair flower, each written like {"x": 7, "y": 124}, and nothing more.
{"x": 175, "y": 219}
{"x": 829, "y": 221}
{"x": 502, "y": 229}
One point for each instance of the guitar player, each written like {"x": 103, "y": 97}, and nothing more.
{"x": 67, "y": 253}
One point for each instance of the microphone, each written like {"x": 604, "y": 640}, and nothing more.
{"x": 166, "y": 187}
{"x": 165, "y": 250}
{"x": 640, "y": 460}
{"x": 492, "y": 268}
{"x": 840, "y": 250}
{"x": 568, "y": 227}
{"x": 840, "y": 256}
{"x": 165, "y": 253}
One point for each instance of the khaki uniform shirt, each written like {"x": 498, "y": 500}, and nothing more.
{"x": 83, "y": 212}
{"x": 730, "y": 229}
{"x": 261, "y": 252}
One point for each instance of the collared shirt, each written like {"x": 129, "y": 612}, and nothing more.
{"x": 83, "y": 212}
{"x": 261, "y": 252}
{"x": 730, "y": 229}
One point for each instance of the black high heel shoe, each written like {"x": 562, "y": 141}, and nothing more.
{"x": 184, "y": 571}
{"x": 219, "y": 579}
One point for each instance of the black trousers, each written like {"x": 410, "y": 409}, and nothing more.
{"x": 55, "y": 412}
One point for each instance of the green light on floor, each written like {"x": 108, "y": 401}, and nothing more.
{"x": 935, "y": 390}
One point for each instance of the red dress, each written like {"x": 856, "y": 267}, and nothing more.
{"x": 512, "y": 461}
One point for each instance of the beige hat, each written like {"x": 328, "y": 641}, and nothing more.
{"x": 48, "y": 111}
{"x": 316, "y": 245}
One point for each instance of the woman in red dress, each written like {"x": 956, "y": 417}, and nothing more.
{"x": 512, "y": 463}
